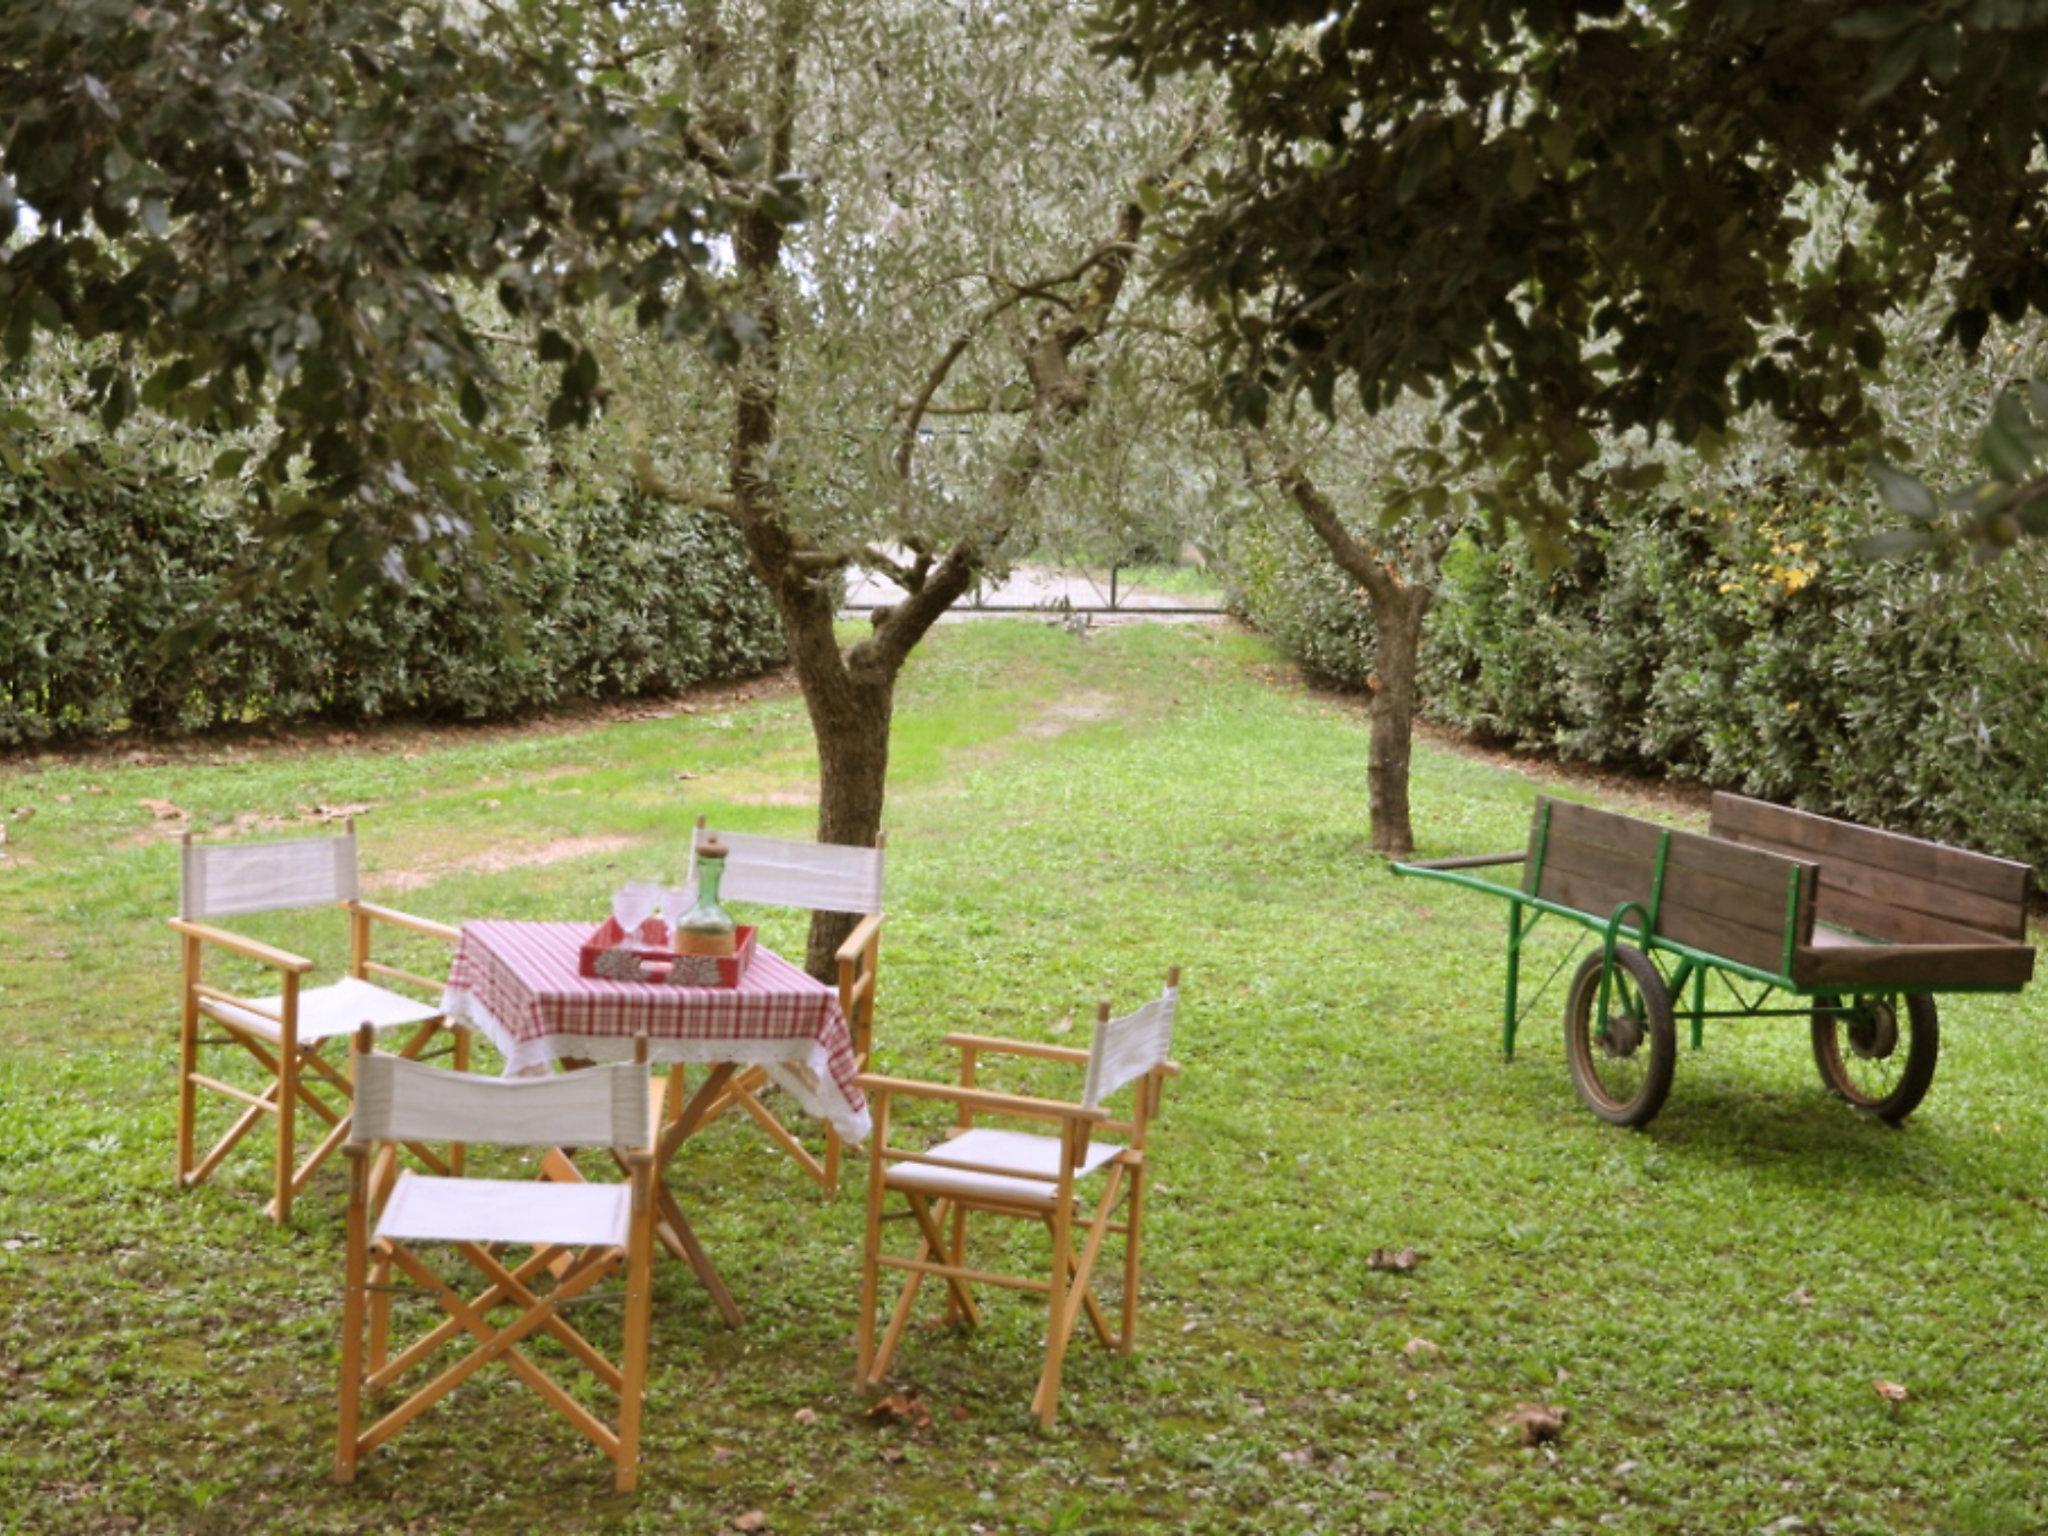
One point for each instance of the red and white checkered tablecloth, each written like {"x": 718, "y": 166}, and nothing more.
{"x": 518, "y": 984}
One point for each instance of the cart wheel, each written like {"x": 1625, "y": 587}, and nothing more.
{"x": 1621, "y": 1067}
{"x": 1878, "y": 1057}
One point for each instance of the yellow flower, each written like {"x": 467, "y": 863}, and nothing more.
{"x": 1792, "y": 704}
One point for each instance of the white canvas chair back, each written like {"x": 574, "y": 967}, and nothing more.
{"x": 229, "y": 879}
{"x": 401, "y": 1100}
{"x": 1129, "y": 1047}
{"x": 782, "y": 872}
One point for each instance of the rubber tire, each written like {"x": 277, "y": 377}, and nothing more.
{"x": 1923, "y": 1047}
{"x": 1661, "y": 1039}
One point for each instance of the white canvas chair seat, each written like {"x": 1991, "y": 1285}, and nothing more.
{"x": 324, "y": 1012}
{"x": 600, "y": 1229}
{"x": 423, "y": 1209}
{"x": 285, "y": 1031}
{"x": 1019, "y": 1151}
{"x": 808, "y": 877}
{"x": 1080, "y": 1184}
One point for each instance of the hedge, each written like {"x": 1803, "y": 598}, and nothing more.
{"x": 631, "y": 597}
{"x": 1738, "y": 642}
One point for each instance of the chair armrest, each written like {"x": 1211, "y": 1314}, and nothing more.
{"x": 426, "y": 925}
{"x": 265, "y": 954}
{"x": 992, "y": 1045}
{"x": 862, "y": 936}
{"x": 979, "y": 1098}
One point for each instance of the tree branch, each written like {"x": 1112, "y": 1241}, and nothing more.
{"x": 653, "y": 483}
{"x": 915, "y": 413}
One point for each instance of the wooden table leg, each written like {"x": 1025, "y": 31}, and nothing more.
{"x": 674, "y": 1229}
{"x": 677, "y": 1237}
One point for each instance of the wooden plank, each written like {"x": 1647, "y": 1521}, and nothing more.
{"x": 1866, "y": 885}
{"x": 1897, "y": 925}
{"x": 1915, "y": 967}
{"x": 1727, "y": 900}
{"x": 1997, "y": 888}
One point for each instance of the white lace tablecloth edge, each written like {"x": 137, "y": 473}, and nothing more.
{"x": 799, "y": 1066}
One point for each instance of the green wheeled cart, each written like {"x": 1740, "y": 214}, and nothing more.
{"x": 1862, "y": 927}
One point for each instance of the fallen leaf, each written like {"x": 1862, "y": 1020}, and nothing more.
{"x": 903, "y": 1408}
{"x": 960, "y": 1414}
{"x": 752, "y": 1520}
{"x": 807, "y": 1416}
{"x": 1535, "y": 1422}
{"x": 162, "y": 810}
{"x": 722, "y": 1453}
{"x": 1890, "y": 1391}
{"x": 63, "y": 799}
{"x": 893, "y": 1453}
{"x": 1417, "y": 1349}
{"x": 683, "y": 773}
{"x": 1802, "y": 1297}
{"x": 23, "y": 813}
{"x": 1400, "y": 1260}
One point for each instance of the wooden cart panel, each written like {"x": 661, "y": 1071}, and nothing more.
{"x": 1732, "y": 901}
{"x": 1849, "y": 960}
{"x": 1884, "y": 884}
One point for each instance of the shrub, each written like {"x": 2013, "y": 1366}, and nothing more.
{"x": 629, "y": 597}
{"x": 1737, "y": 641}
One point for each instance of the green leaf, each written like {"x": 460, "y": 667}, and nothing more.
{"x": 1893, "y": 544}
{"x": 1903, "y": 493}
{"x": 1878, "y": 24}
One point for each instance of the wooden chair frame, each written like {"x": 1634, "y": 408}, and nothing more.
{"x": 368, "y": 1364}
{"x": 943, "y": 1253}
{"x": 855, "y": 962}
{"x": 295, "y": 1068}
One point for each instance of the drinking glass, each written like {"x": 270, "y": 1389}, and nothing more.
{"x": 632, "y": 904}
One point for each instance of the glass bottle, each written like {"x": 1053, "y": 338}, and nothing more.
{"x": 707, "y": 928}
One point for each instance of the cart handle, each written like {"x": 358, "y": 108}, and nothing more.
{"x": 1470, "y": 861}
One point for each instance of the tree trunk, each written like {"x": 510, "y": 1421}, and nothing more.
{"x": 1397, "y": 639}
{"x": 850, "y": 712}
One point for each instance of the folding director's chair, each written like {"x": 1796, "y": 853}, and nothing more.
{"x": 810, "y": 877}
{"x": 582, "y": 1232}
{"x": 285, "y": 1032}
{"x": 1044, "y": 1178}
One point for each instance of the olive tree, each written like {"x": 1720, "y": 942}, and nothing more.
{"x": 931, "y": 339}
{"x": 1574, "y": 223}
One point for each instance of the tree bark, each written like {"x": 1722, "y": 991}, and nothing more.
{"x": 1399, "y": 605}
{"x": 1397, "y": 639}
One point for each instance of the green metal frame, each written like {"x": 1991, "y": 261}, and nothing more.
{"x": 1692, "y": 965}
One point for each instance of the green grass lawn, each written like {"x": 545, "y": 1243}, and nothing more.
{"x": 1710, "y": 1301}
